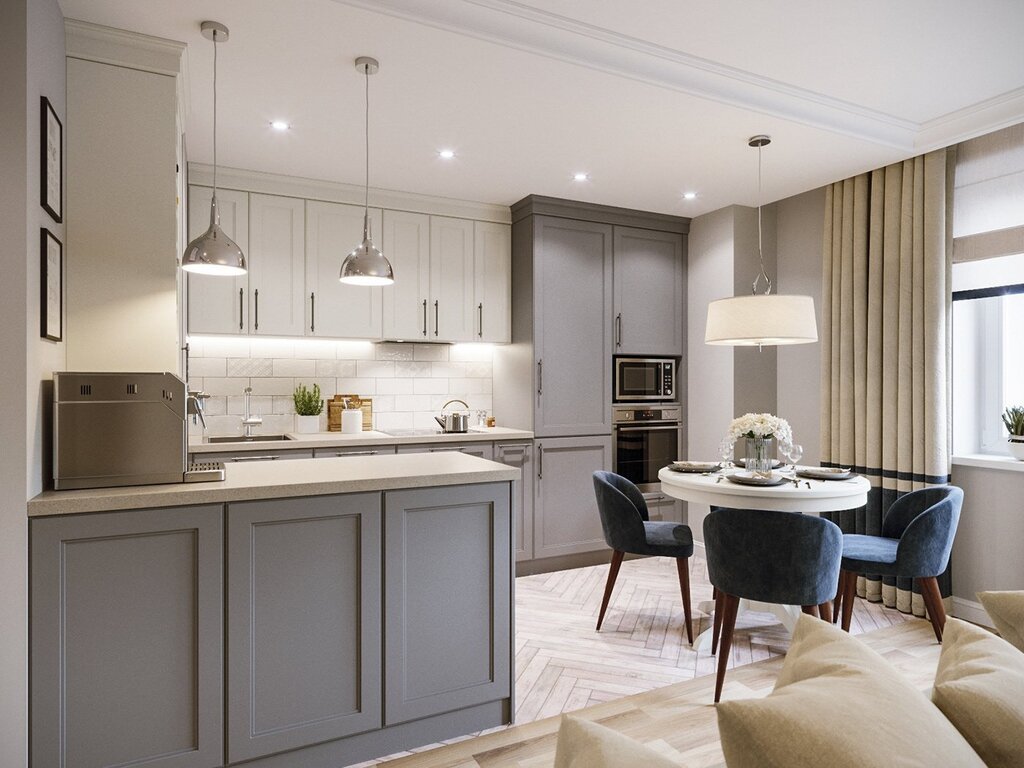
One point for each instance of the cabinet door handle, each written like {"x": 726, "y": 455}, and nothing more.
{"x": 618, "y": 330}
{"x": 480, "y": 313}
{"x": 357, "y": 453}
{"x": 256, "y": 319}
{"x": 540, "y": 377}
{"x": 540, "y": 462}
{"x": 435, "y": 316}
{"x": 254, "y": 458}
{"x": 312, "y": 313}
{"x": 424, "y": 317}
{"x": 241, "y": 308}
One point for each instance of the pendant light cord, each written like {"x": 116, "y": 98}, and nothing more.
{"x": 760, "y": 253}
{"x": 366, "y": 188}
{"x": 215, "y": 113}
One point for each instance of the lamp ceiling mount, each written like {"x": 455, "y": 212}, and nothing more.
{"x": 367, "y": 65}
{"x": 215, "y": 31}
{"x": 761, "y": 140}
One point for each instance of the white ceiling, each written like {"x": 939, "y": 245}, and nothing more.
{"x": 652, "y": 98}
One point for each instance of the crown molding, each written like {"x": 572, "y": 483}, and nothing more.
{"x": 260, "y": 182}
{"x": 119, "y": 47}
{"x": 970, "y": 122}
{"x": 539, "y": 32}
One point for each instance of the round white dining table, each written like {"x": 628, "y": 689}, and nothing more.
{"x": 807, "y": 496}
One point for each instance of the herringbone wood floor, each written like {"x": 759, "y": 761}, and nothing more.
{"x": 563, "y": 664}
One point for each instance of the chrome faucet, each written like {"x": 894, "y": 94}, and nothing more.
{"x": 249, "y": 421}
{"x": 195, "y": 404}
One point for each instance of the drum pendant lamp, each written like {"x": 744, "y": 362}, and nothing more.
{"x": 761, "y": 319}
{"x": 213, "y": 252}
{"x": 366, "y": 265}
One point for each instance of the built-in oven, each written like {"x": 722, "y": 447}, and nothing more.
{"x": 645, "y": 439}
{"x": 645, "y": 379}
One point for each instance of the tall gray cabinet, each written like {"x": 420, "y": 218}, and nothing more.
{"x": 588, "y": 282}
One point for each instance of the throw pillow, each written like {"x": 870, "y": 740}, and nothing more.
{"x": 839, "y": 704}
{"x": 1007, "y": 612}
{"x": 583, "y": 744}
{"x": 979, "y": 686}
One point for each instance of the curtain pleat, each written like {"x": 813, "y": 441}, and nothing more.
{"x": 885, "y": 343}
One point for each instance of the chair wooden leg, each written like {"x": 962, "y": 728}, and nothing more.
{"x": 811, "y": 610}
{"x": 837, "y": 608}
{"x": 683, "y": 566}
{"x": 731, "y": 605}
{"x": 613, "y": 572}
{"x": 719, "y": 612}
{"x": 849, "y": 594}
{"x": 825, "y": 611}
{"x": 933, "y": 602}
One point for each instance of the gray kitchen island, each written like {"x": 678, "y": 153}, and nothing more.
{"x": 315, "y": 612}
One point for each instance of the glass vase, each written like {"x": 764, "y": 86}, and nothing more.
{"x": 759, "y": 457}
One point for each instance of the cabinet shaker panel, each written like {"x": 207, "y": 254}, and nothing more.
{"x": 303, "y": 621}
{"x": 126, "y": 622}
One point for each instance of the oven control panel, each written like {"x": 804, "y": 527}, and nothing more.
{"x": 635, "y": 415}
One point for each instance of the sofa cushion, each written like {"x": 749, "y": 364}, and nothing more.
{"x": 583, "y": 744}
{"x": 979, "y": 686}
{"x": 839, "y": 704}
{"x": 1006, "y": 609}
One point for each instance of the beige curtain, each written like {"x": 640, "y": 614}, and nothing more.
{"x": 885, "y": 341}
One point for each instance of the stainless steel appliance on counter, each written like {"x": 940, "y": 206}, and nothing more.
{"x": 645, "y": 439}
{"x": 645, "y": 379}
{"x": 115, "y": 429}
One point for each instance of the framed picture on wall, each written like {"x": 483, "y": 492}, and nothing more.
{"x": 51, "y": 280}
{"x": 52, "y": 151}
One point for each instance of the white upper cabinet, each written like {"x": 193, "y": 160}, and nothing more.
{"x": 451, "y": 279}
{"x": 492, "y": 275}
{"x": 219, "y": 304}
{"x": 406, "y": 244}
{"x": 277, "y": 264}
{"x": 334, "y": 309}
{"x": 647, "y": 318}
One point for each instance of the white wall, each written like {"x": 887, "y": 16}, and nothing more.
{"x": 31, "y": 65}
{"x": 800, "y": 227}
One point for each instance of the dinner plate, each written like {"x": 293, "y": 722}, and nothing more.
{"x": 743, "y": 462}
{"x": 826, "y": 473}
{"x": 695, "y": 466}
{"x": 749, "y": 478}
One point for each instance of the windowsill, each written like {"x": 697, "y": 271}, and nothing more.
{"x": 989, "y": 461}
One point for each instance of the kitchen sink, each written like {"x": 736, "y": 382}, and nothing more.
{"x": 241, "y": 439}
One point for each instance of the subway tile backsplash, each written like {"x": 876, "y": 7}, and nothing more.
{"x": 408, "y": 382}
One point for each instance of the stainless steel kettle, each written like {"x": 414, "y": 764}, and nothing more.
{"x": 453, "y": 422}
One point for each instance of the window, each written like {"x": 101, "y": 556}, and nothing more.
{"x": 988, "y": 351}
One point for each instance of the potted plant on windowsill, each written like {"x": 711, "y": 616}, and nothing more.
{"x": 308, "y": 407}
{"x": 1013, "y": 418}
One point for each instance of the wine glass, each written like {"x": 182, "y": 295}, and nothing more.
{"x": 794, "y": 452}
{"x": 725, "y": 452}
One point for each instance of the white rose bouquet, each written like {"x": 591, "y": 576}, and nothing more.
{"x": 760, "y": 425}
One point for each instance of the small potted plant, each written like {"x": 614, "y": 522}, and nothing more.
{"x": 308, "y": 405}
{"x": 1013, "y": 418}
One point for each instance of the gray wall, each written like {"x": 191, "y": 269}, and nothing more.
{"x": 801, "y": 226}
{"x": 31, "y": 65}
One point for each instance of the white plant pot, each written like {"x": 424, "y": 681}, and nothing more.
{"x": 1016, "y": 448}
{"x": 307, "y": 425}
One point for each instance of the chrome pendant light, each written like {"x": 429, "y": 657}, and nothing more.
{"x": 213, "y": 252}
{"x": 366, "y": 265}
{"x": 761, "y": 319}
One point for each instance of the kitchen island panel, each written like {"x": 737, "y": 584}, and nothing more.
{"x": 447, "y": 565}
{"x": 127, "y": 627}
{"x": 304, "y": 605}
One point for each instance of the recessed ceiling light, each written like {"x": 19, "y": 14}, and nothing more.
{"x": 446, "y": 154}
{"x": 689, "y": 196}
{"x": 280, "y": 125}
{"x": 580, "y": 176}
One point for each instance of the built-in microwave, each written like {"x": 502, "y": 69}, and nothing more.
{"x": 645, "y": 379}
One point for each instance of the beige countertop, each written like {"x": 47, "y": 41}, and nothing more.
{"x": 367, "y": 438}
{"x": 275, "y": 480}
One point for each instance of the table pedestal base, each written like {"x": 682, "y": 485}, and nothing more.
{"x": 787, "y": 614}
